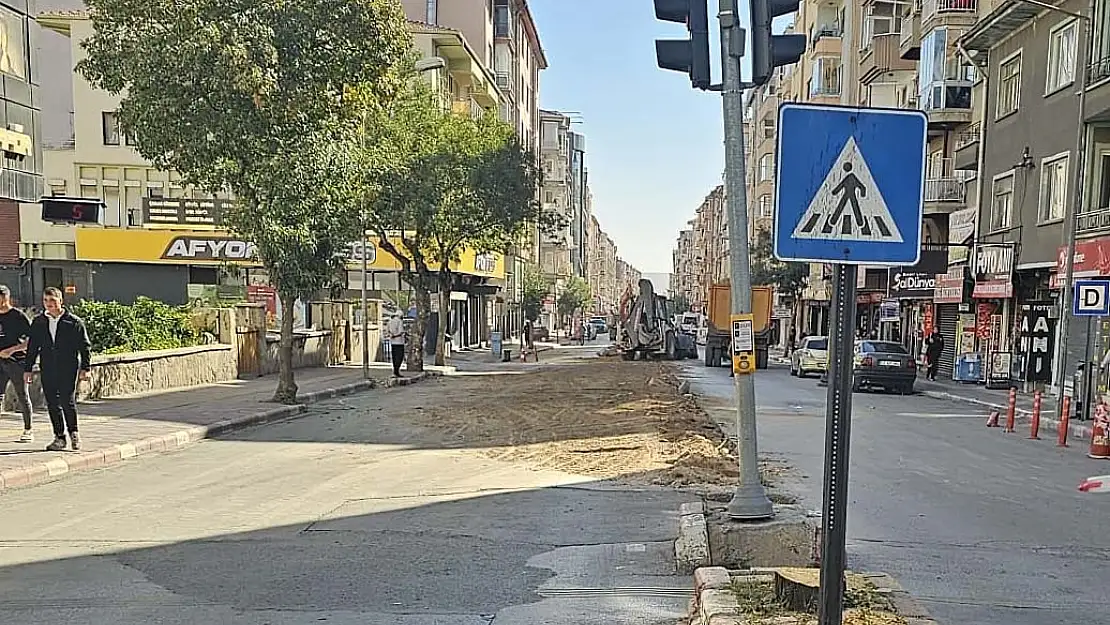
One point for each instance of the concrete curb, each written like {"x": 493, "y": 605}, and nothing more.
{"x": 1076, "y": 430}
{"x": 715, "y": 603}
{"x": 691, "y": 549}
{"x": 72, "y": 462}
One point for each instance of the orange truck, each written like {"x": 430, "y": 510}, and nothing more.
{"x": 718, "y": 338}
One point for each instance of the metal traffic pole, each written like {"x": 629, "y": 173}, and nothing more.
{"x": 838, "y": 427}
{"x": 750, "y": 501}
{"x": 365, "y": 309}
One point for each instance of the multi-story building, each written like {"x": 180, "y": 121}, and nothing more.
{"x": 21, "y": 177}
{"x": 763, "y": 110}
{"x": 711, "y": 242}
{"x": 508, "y": 43}
{"x": 685, "y": 274}
{"x": 558, "y": 197}
{"x": 160, "y": 238}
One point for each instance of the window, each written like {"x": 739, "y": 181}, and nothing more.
{"x": 768, "y": 129}
{"x": 13, "y": 49}
{"x": 1003, "y": 204}
{"x": 766, "y": 207}
{"x": 1009, "y": 85}
{"x": 1061, "y": 57}
{"x": 109, "y": 128}
{"x": 433, "y": 12}
{"x": 52, "y": 276}
{"x": 1054, "y": 188}
{"x": 766, "y": 167}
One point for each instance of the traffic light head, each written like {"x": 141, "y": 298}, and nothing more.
{"x": 769, "y": 50}
{"x": 689, "y": 55}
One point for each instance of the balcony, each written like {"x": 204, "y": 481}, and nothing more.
{"x": 502, "y": 24}
{"x": 505, "y": 83}
{"x": 909, "y": 40}
{"x": 827, "y": 87}
{"x": 966, "y": 156}
{"x": 467, "y": 107}
{"x": 825, "y": 40}
{"x": 945, "y": 188}
{"x": 882, "y": 58}
{"x": 1093, "y": 221}
{"x": 936, "y": 13}
{"x": 947, "y": 103}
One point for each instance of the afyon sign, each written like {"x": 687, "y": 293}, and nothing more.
{"x": 200, "y": 248}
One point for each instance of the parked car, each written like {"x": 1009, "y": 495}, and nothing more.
{"x": 600, "y": 325}
{"x": 881, "y": 364}
{"x": 812, "y": 356}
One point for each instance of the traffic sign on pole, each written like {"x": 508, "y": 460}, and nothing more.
{"x": 1091, "y": 298}
{"x": 850, "y": 184}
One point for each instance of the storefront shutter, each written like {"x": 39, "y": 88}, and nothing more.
{"x": 947, "y": 319}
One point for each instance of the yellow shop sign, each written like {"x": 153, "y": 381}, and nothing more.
{"x": 112, "y": 245}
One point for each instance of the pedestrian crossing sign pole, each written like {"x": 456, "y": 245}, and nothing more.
{"x": 849, "y": 191}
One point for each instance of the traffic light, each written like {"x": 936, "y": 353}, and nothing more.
{"x": 768, "y": 50}
{"x": 685, "y": 55}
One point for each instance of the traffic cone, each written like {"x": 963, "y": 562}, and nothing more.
{"x": 1100, "y": 444}
{"x": 992, "y": 419}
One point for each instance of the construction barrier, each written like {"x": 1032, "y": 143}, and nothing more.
{"x": 1035, "y": 421}
{"x": 1011, "y": 410}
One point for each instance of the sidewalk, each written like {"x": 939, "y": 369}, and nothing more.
{"x": 999, "y": 399}
{"x": 114, "y": 430}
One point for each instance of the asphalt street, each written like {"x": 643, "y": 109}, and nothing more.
{"x": 346, "y": 516}
{"x": 983, "y": 527}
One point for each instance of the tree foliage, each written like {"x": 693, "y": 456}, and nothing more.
{"x": 445, "y": 183}
{"x": 789, "y": 278}
{"x": 535, "y": 289}
{"x": 576, "y": 296}
{"x": 260, "y": 98}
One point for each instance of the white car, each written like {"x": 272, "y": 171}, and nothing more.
{"x": 812, "y": 356}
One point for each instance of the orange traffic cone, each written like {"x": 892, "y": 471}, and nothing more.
{"x": 1100, "y": 443}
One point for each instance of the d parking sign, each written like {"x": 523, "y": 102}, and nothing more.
{"x": 1091, "y": 298}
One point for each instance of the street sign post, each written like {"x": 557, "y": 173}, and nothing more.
{"x": 849, "y": 191}
{"x": 1091, "y": 298}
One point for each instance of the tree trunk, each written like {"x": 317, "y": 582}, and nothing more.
{"x": 423, "y": 301}
{"x": 286, "y": 392}
{"x": 444, "y": 319}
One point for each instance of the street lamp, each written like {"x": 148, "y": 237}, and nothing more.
{"x": 429, "y": 64}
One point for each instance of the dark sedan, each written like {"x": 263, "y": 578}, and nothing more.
{"x": 882, "y": 364}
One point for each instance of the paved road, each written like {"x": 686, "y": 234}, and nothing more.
{"x": 346, "y": 516}
{"x": 986, "y": 528}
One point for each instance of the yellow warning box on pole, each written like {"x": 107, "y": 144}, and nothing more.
{"x": 743, "y": 343}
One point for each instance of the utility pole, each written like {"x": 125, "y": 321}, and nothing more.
{"x": 750, "y": 501}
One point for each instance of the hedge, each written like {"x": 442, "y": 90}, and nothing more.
{"x": 148, "y": 324}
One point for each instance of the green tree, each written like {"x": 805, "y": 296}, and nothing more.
{"x": 788, "y": 278}
{"x": 259, "y": 98}
{"x": 576, "y": 296}
{"x": 447, "y": 183}
{"x": 536, "y": 288}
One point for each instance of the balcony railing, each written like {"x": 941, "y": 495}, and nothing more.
{"x": 825, "y": 88}
{"x": 505, "y": 81}
{"x": 1091, "y": 221}
{"x": 947, "y": 94}
{"x": 826, "y": 30}
{"x": 969, "y": 136}
{"x": 945, "y": 190}
{"x": 932, "y": 7}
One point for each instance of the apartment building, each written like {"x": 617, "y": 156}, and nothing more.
{"x": 558, "y": 197}
{"x": 20, "y": 136}
{"x": 162, "y": 239}
{"x": 508, "y": 43}
{"x": 763, "y": 113}
{"x": 685, "y": 273}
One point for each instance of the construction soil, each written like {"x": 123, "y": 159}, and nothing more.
{"x": 603, "y": 418}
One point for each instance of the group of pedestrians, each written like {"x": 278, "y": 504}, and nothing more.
{"x": 55, "y": 340}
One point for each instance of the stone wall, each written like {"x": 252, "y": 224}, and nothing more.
{"x": 114, "y": 375}
{"x": 311, "y": 348}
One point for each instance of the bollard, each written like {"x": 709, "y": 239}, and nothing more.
{"x": 1065, "y": 417}
{"x": 1011, "y": 410}
{"x": 1035, "y": 422}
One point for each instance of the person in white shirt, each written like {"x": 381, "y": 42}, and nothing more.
{"x": 395, "y": 329}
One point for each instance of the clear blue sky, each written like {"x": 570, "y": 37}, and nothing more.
{"x": 654, "y": 145}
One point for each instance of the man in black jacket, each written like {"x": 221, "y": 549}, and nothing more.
{"x": 14, "y": 330}
{"x": 59, "y": 338}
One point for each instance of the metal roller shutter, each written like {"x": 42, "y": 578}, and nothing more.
{"x": 948, "y": 316}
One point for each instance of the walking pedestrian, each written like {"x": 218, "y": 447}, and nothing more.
{"x": 14, "y": 332}
{"x": 60, "y": 344}
{"x": 396, "y": 330}
{"x": 934, "y": 347}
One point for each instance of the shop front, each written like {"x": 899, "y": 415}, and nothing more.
{"x": 170, "y": 265}
{"x": 991, "y": 312}
{"x": 1088, "y": 337}
{"x": 913, "y": 288}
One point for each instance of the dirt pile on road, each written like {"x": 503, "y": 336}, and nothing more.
{"x": 603, "y": 418}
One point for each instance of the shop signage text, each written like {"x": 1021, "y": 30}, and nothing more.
{"x": 209, "y": 249}
{"x": 1038, "y": 333}
{"x": 949, "y": 287}
{"x": 994, "y": 268}
{"x": 920, "y": 280}
{"x": 184, "y": 212}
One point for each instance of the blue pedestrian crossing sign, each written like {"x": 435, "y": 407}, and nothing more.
{"x": 1091, "y": 298}
{"x": 851, "y": 184}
